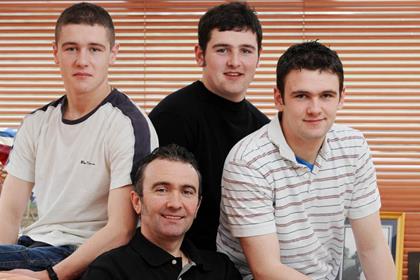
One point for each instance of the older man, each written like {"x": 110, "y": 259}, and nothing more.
{"x": 167, "y": 197}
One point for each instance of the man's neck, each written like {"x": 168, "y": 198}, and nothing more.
{"x": 170, "y": 245}
{"x": 233, "y": 98}
{"x": 306, "y": 151}
{"x": 79, "y": 105}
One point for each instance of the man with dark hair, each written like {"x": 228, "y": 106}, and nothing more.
{"x": 288, "y": 188}
{"x": 167, "y": 197}
{"x": 209, "y": 116}
{"x": 78, "y": 155}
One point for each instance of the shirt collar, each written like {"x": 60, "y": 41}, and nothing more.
{"x": 156, "y": 256}
{"x": 276, "y": 136}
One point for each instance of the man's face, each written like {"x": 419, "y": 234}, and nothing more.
{"x": 229, "y": 62}
{"x": 309, "y": 108}
{"x": 83, "y": 53}
{"x": 170, "y": 200}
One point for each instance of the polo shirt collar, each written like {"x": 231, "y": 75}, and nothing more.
{"x": 156, "y": 256}
{"x": 276, "y": 136}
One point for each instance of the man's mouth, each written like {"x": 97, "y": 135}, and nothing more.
{"x": 82, "y": 74}
{"x": 313, "y": 120}
{"x": 233, "y": 74}
{"x": 172, "y": 217}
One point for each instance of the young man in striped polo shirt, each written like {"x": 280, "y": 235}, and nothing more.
{"x": 288, "y": 187}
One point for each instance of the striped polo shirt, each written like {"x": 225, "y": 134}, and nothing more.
{"x": 265, "y": 190}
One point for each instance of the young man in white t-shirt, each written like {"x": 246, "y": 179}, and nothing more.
{"x": 78, "y": 155}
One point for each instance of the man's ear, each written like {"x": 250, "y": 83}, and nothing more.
{"x": 341, "y": 101}
{"x": 198, "y": 206}
{"x": 278, "y": 100}
{"x": 114, "y": 52}
{"x": 55, "y": 51}
{"x": 259, "y": 57}
{"x": 199, "y": 56}
{"x": 136, "y": 202}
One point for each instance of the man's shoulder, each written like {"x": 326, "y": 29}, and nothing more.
{"x": 257, "y": 113}
{"x": 181, "y": 101}
{"x": 213, "y": 257}
{"x": 118, "y": 263}
{"x": 51, "y": 105}
{"x": 252, "y": 146}
{"x": 116, "y": 255}
{"x": 123, "y": 112}
{"x": 181, "y": 96}
{"x": 36, "y": 118}
{"x": 122, "y": 102}
{"x": 342, "y": 134}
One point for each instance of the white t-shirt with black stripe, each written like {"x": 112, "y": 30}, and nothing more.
{"x": 74, "y": 164}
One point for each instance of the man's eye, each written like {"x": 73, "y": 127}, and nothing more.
{"x": 221, "y": 50}
{"x": 188, "y": 192}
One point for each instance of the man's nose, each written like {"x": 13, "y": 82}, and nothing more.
{"x": 82, "y": 58}
{"x": 314, "y": 106}
{"x": 234, "y": 59}
{"x": 174, "y": 200}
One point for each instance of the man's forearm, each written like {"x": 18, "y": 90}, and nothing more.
{"x": 9, "y": 224}
{"x": 9, "y": 231}
{"x": 104, "y": 240}
{"x": 377, "y": 264}
{"x": 13, "y": 201}
{"x": 279, "y": 271}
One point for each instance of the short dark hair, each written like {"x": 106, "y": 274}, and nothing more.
{"x": 171, "y": 152}
{"x": 237, "y": 16}
{"x": 311, "y": 56}
{"x": 86, "y": 13}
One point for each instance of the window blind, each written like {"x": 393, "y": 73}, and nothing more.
{"x": 378, "y": 42}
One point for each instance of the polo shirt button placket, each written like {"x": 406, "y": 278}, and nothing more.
{"x": 174, "y": 261}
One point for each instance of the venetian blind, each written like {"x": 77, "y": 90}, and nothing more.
{"x": 378, "y": 41}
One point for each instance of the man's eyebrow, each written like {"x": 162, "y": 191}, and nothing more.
{"x": 159, "y": 183}
{"x": 190, "y": 187}
{"x": 227, "y": 45}
{"x": 248, "y": 46}
{"x": 308, "y": 92}
{"x": 89, "y": 44}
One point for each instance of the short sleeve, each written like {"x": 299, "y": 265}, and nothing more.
{"x": 247, "y": 200}
{"x": 21, "y": 162}
{"x": 365, "y": 196}
{"x": 129, "y": 141}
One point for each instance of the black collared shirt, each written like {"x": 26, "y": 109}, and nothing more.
{"x": 141, "y": 259}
